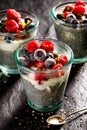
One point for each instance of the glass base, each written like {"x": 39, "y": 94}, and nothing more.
{"x": 44, "y": 108}
{"x": 7, "y": 71}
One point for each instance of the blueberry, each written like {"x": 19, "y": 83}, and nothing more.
{"x": 74, "y": 23}
{"x": 40, "y": 54}
{"x": 31, "y": 57}
{"x": 59, "y": 16}
{"x": 70, "y": 17}
{"x": 9, "y": 38}
{"x": 84, "y": 21}
{"x": 23, "y": 61}
{"x": 50, "y": 55}
{"x": 50, "y": 62}
{"x": 4, "y": 19}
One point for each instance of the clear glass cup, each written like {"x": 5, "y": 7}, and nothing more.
{"x": 48, "y": 94}
{"x": 75, "y": 37}
{"x": 9, "y": 42}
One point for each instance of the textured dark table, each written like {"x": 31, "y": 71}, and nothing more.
{"x": 15, "y": 114}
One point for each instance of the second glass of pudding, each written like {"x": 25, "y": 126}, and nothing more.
{"x": 16, "y": 27}
{"x": 44, "y": 65}
{"x": 70, "y": 23}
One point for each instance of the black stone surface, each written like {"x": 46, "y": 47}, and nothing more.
{"x": 15, "y": 114}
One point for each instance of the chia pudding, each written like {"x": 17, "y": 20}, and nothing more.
{"x": 70, "y": 22}
{"x": 16, "y": 27}
{"x": 44, "y": 66}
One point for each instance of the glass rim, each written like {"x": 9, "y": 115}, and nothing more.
{"x": 61, "y": 21}
{"x": 43, "y": 71}
{"x": 23, "y": 32}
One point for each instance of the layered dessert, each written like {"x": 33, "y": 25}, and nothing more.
{"x": 16, "y": 27}
{"x": 44, "y": 68}
{"x": 70, "y": 22}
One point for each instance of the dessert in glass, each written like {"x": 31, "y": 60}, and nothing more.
{"x": 70, "y": 23}
{"x": 44, "y": 65}
{"x": 16, "y": 27}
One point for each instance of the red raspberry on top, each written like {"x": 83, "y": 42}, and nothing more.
{"x": 80, "y": 9}
{"x": 32, "y": 46}
{"x": 47, "y": 46}
{"x": 11, "y": 26}
{"x": 80, "y": 2}
{"x": 13, "y": 14}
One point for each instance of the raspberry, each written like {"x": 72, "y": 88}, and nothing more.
{"x": 32, "y": 46}
{"x": 63, "y": 59}
{"x": 79, "y": 10}
{"x": 39, "y": 64}
{"x": 80, "y": 2}
{"x": 66, "y": 13}
{"x": 40, "y": 76}
{"x": 11, "y": 26}
{"x": 13, "y": 14}
{"x": 57, "y": 66}
{"x": 47, "y": 46}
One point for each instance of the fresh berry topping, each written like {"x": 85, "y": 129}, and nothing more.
{"x": 80, "y": 2}
{"x": 23, "y": 60}
{"x": 63, "y": 59}
{"x": 57, "y": 66}
{"x": 31, "y": 57}
{"x": 50, "y": 55}
{"x": 32, "y": 46}
{"x": 50, "y": 62}
{"x": 40, "y": 77}
{"x": 70, "y": 17}
{"x": 79, "y": 10}
{"x": 11, "y": 26}
{"x": 47, "y": 46}
{"x": 69, "y": 8}
{"x": 75, "y": 12}
{"x": 40, "y": 54}
{"x": 4, "y": 19}
{"x": 39, "y": 65}
{"x": 59, "y": 16}
{"x": 66, "y": 14}
{"x": 84, "y": 21}
{"x": 13, "y": 14}
{"x": 75, "y": 22}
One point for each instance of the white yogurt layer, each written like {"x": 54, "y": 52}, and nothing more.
{"x": 45, "y": 83}
{"x": 14, "y": 44}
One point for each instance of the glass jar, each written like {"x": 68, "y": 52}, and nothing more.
{"x": 9, "y": 42}
{"x": 74, "y": 36}
{"x": 47, "y": 93}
